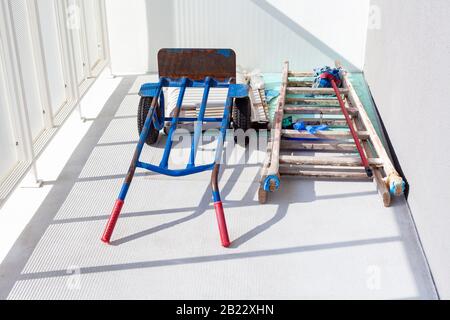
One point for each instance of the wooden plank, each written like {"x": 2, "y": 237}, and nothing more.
{"x": 389, "y": 168}
{"x": 382, "y": 188}
{"x": 363, "y": 135}
{"x": 328, "y": 161}
{"x": 329, "y": 122}
{"x": 312, "y": 105}
{"x": 264, "y": 104}
{"x": 301, "y": 84}
{"x": 324, "y": 168}
{"x": 316, "y": 91}
{"x": 306, "y": 74}
{"x": 263, "y": 194}
{"x": 266, "y": 163}
{"x": 312, "y": 101}
{"x": 278, "y": 122}
{"x": 323, "y": 174}
{"x": 378, "y": 178}
{"x": 324, "y": 119}
{"x": 290, "y": 109}
{"x": 310, "y": 146}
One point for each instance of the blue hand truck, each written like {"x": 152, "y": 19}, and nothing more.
{"x": 183, "y": 69}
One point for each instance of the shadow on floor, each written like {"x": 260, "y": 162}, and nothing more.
{"x": 211, "y": 258}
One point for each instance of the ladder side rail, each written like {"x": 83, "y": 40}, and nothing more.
{"x": 361, "y": 152}
{"x": 394, "y": 181}
{"x": 271, "y": 180}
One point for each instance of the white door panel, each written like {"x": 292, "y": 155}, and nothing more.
{"x": 52, "y": 53}
{"x": 8, "y": 156}
{"x": 74, "y": 13}
{"x": 79, "y": 60}
{"x": 28, "y": 66}
{"x": 92, "y": 42}
{"x": 99, "y": 26}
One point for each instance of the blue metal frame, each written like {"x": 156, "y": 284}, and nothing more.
{"x": 155, "y": 90}
{"x": 186, "y": 68}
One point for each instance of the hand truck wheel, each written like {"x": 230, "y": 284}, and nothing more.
{"x": 242, "y": 114}
{"x": 242, "y": 117}
{"x": 144, "y": 107}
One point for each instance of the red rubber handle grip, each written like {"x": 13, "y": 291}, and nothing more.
{"x": 106, "y": 238}
{"x": 222, "y": 224}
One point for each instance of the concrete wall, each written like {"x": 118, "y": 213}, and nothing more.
{"x": 137, "y": 29}
{"x": 348, "y": 19}
{"x": 263, "y": 33}
{"x": 406, "y": 67}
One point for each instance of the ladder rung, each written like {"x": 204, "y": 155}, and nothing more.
{"x": 328, "y": 161}
{"x": 300, "y": 84}
{"x": 312, "y": 105}
{"x": 325, "y": 121}
{"x": 290, "y": 109}
{"x": 317, "y": 91}
{"x": 330, "y": 102}
{"x": 332, "y": 123}
{"x": 363, "y": 135}
{"x": 308, "y": 117}
{"x": 311, "y": 146}
{"x": 323, "y": 174}
{"x": 294, "y": 74}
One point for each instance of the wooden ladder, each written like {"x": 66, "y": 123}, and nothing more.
{"x": 294, "y": 153}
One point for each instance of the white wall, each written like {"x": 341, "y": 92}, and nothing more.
{"x": 406, "y": 67}
{"x": 262, "y": 36}
{"x": 137, "y": 29}
{"x": 341, "y": 25}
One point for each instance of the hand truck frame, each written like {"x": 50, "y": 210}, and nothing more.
{"x": 185, "y": 68}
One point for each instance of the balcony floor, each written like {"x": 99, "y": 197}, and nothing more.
{"x": 314, "y": 239}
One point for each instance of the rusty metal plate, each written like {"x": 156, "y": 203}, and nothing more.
{"x": 197, "y": 64}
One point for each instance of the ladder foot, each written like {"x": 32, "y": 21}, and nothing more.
{"x": 262, "y": 196}
{"x": 272, "y": 183}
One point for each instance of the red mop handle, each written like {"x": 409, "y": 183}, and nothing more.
{"x": 352, "y": 130}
